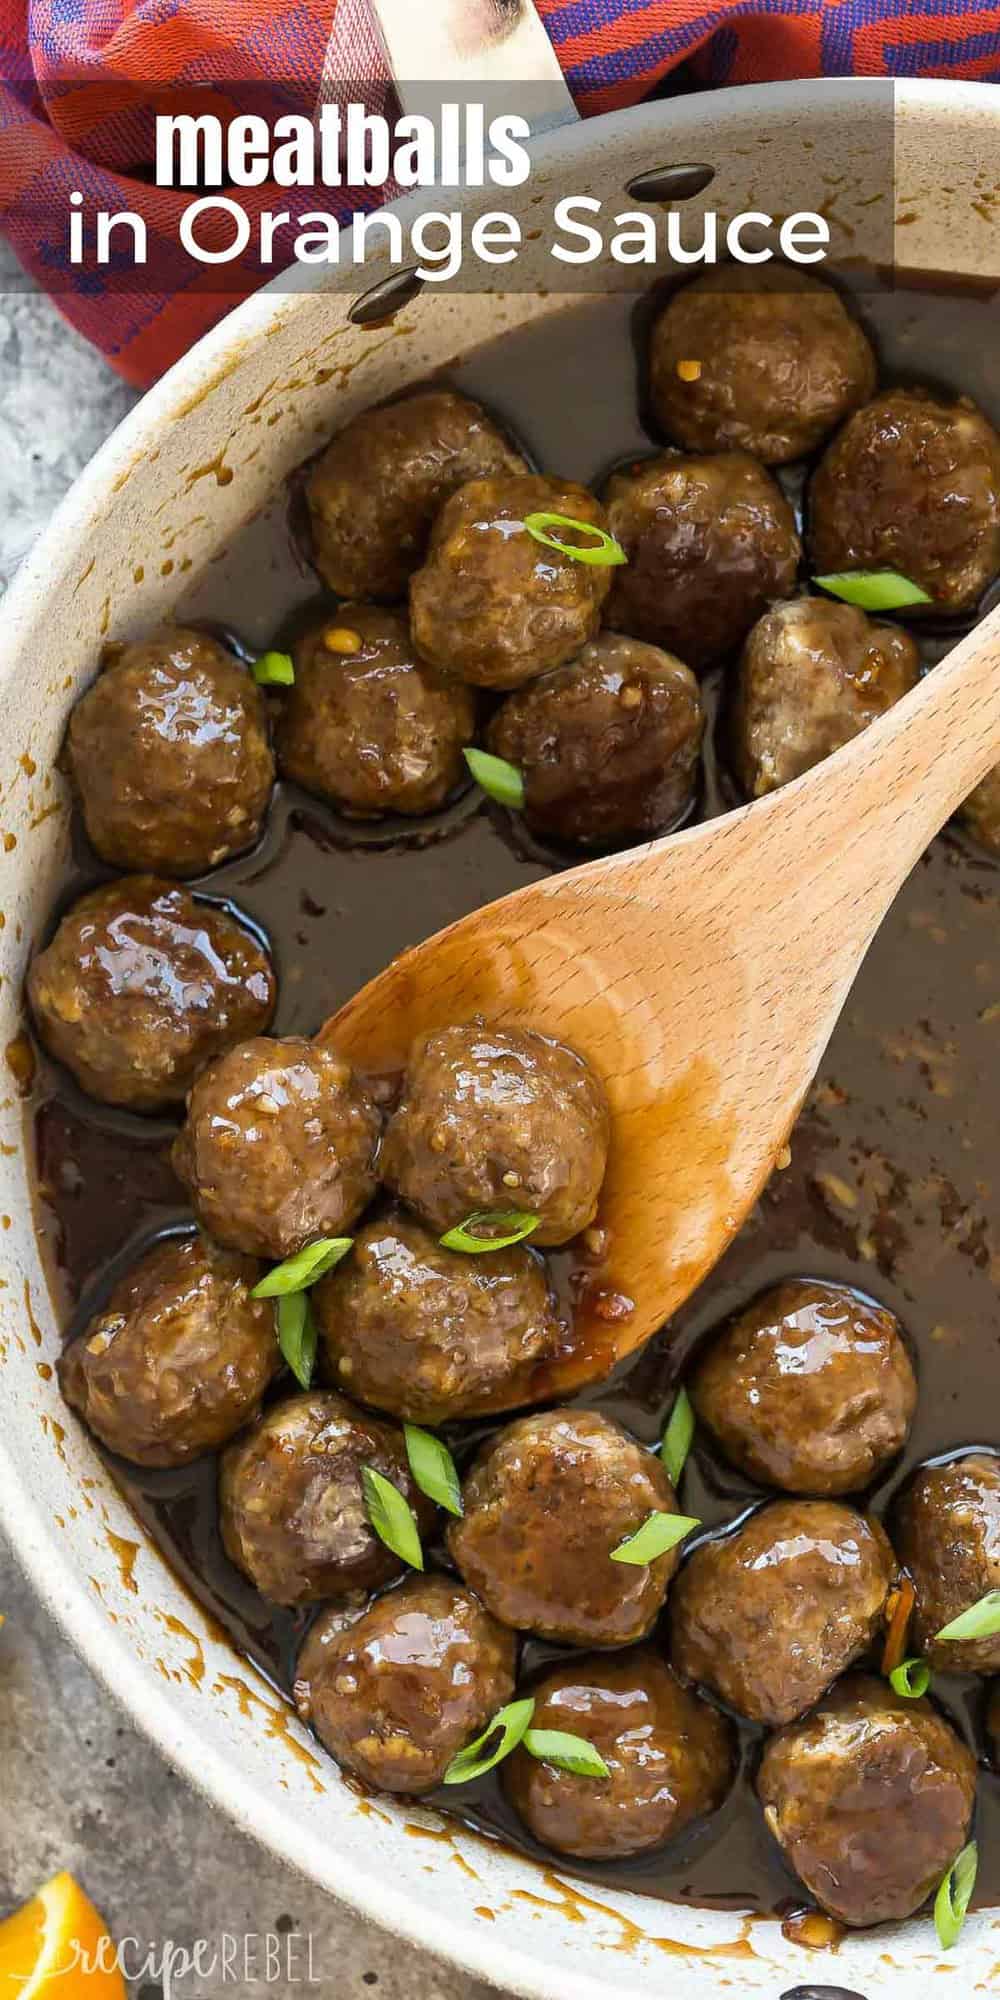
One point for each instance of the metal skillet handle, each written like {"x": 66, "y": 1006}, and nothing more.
{"x": 466, "y": 44}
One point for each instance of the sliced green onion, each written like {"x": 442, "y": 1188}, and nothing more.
{"x": 433, "y": 1468}
{"x": 603, "y": 550}
{"x": 307, "y": 1266}
{"x": 873, "y": 589}
{"x": 911, "y": 1679}
{"x": 274, "y": 670}
{"x": 297, "y": 1336}
{"x": 469, "y": 1235}
{"x": 501, "y": 780}
{"x": 954, "y": 1896}
{"x": 392, "y": 1517}
{"x": 659, "y": 1532}
{"x": 677, "y": 1437}
{"x": 509, "y": 1725}
{"x": 979, "y": 1622}
{"x": 567, "y": 1753}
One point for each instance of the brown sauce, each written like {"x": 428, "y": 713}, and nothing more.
{"x": 893, "y": 1181}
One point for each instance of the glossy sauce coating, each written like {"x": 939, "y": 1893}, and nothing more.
{"x": 947, "y": 1530}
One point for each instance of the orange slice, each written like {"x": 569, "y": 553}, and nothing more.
{"x": 57, "y": 1947}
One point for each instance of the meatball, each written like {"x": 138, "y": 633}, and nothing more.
{"x": 374, "y": 492}
{"x": 369, "y": 725}
{"x": 430, "y": 1333}
{"x": 498, "y": 1118}
{"x": 395, "y": 1694}
{"x": 547, "y": 1500}
{"x": 870, "y": 1799}
{"x": 779, "y": 359}
{"x": 768, "y": 1615}
{"x": 947, "y": 1531}
{"x": 141, "y": 985}
{"x": 170, "y": 756}
{"x": 981, "y": 811}
{"x": 810, "y": 1389}
{"x": 279, "y": 1146}
{"x": 179, "y": 1357}
{"x": 609, "y": 746}
{"x": 491, "y": 604}
{"x": 912, "y": 483}
{"x": 813, "y": 675}
{"x": 711, "y": 543}
{"x": 291, "y": 1503}
{"x": 670, "y": 1758}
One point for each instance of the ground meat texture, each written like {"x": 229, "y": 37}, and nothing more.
{"x": 946, "y": 1529}
{"x": 170, "y": 755}
{"x": 141, "y": 986}
{"x": 608, "y": 747}
{"x": 769, "y": 1615}
{"x": 711, "y": 543}
{"x": 291, "y": 1503}
{"x": 495, "y": 1118}
{"x": 780, "y": 362}
{"x": 813, "y": 675}
{"x": 810, "y": 1389}
{"x": 912, "y": 483}
{"x": 429, "y": 1333}
{"x": 870, "y": 1799}
{"x": 374, "y": 492}
{"x": 279, "y": 1146}
{"x": 669, "y": 1754}
{"x": 981, "y": 812}
{"x": 368, "y": 724}
{"x": 399, "y": 1692}
{"x": 492, "y": 605}
{"x": 546, "y": 1501}
{"x": 178, "y": 1359}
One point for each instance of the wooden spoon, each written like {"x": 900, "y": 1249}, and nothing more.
{"x": 702, "y": 976}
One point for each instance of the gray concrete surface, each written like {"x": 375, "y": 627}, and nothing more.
{"x": 79, "y": 1789}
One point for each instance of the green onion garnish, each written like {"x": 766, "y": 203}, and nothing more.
{"x": 659, "y": 1532}
{"x": 433, "y": 1468}
{"x": 501, "y": 780}
{"x": 567, "y": 1753}
{"x": 603, "y": 550}
{"x": 677, "y": 1437}
{"x": 873, "y": 589}
{"x": 392, "y": 1517}
{"x": 274, "y": 670}
{"x": 512, "y": 1226}
{"x": 911, "y": 1679}
{"x": 979, "y": 1622}
{"x": 509, "y": 1725}
{"x": 307, "y": 1266}
{"x": 954, "y": 1896}
{"x": 297, "y": 1336}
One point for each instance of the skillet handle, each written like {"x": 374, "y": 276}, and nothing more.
{"x": 466, "y": 45}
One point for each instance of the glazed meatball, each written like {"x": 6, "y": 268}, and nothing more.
{"x": 279, "y": 1146}
{"x": 395, "y": 1694}
{"x": 912, "y": 483}
{"x": 870, "y": 1799}
{"x": 768, "y": 1615}
{"x": 291, "y": 1503}
{"x": 493, "y": 606}
{"x": 810, "y": 1389}
{"x": 711, "y": 543}
{"x": 670, "y": 1758}
{"x": 429, "y": 1333}
{"x": 373, "y": 494}
{"x": 981, "y": 812}
{"x": 947, "y": 1531}
{"x": 498, "y": 1118}
{"x": 367, "y": 724}
{"x": 608, "y": 747}
{"x": 813, "y": 675}
{"x": 170, "y": 756}
{"x": 547, "y": 1500}
{"x": 179, "y": 1358}
{"x": 141, "y": 985}
{"x": 780, "y": 362}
